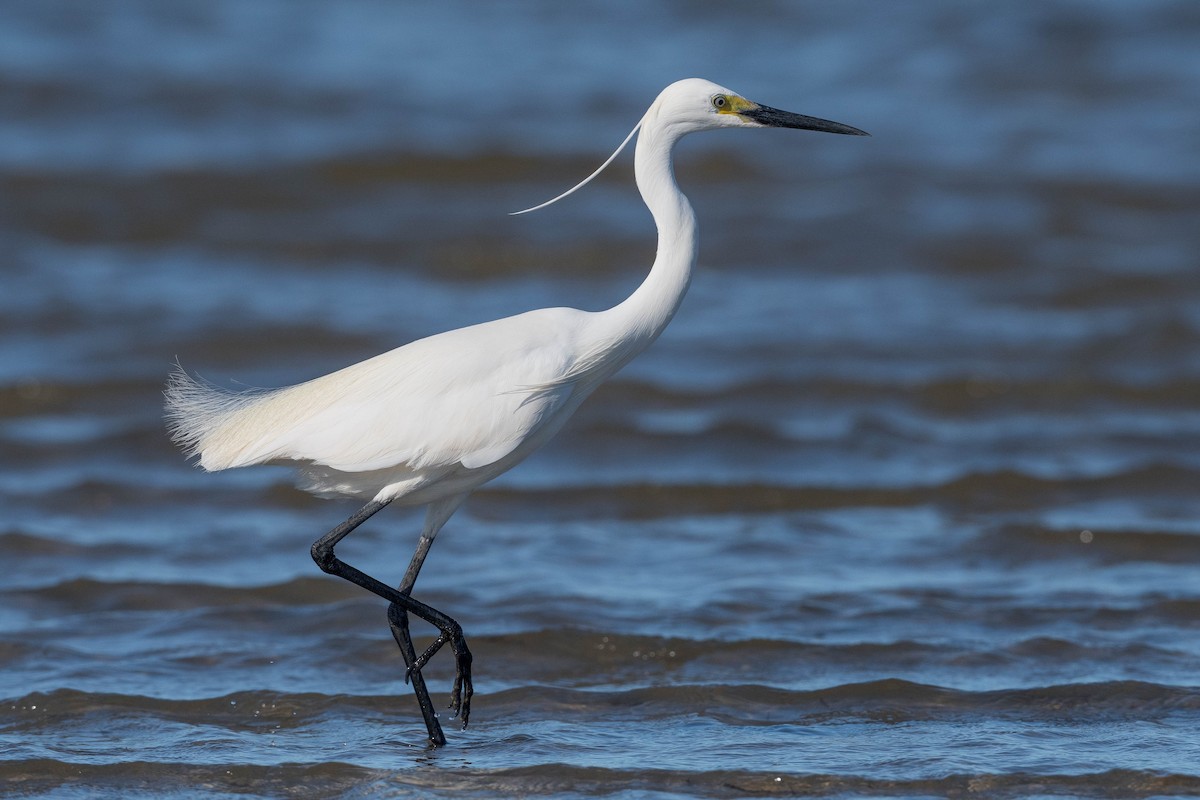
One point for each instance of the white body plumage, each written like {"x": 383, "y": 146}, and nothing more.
{"x": 436, "y": 417}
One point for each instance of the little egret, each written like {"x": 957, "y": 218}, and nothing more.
{"x": 429, "y": 422}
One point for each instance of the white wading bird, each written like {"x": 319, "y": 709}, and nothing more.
{"x": 430, "y": 422}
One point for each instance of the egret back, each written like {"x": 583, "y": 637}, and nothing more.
{"x": 464, "y": 399}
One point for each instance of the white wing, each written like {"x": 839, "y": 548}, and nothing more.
{"x": 469, "y": 396}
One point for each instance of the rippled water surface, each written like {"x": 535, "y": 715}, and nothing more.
{"x": 904, "y": 502}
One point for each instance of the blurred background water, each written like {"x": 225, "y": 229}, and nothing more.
{"x": 902, "y": 504}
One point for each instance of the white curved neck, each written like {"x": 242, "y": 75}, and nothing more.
{"x": 645, "y": 313}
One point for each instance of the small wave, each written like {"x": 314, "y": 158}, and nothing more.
{"x": 235, "y": 711}
{"x": 976, "y": 489}
{"x": 17, "y": 543}
{"x": 890, "y": 700}
{"x": 952, "y": 395}
{"x": 142, "y": 778}
{"x": 569, "y": 781}
{"x": 139, "y": 778}
{"x": 1024, "y": 542}
{"x": 87, "y": 595}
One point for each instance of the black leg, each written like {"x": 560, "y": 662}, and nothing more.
{"x": 399, "y": 623}
{"x": 436, "y": 515}
{"x": 398, "y": 620}
{"x": 323, "y": 555}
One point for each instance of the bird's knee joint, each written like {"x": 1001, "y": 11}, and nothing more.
{"x": 323, "y": 555}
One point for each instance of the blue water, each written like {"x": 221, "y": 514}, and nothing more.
{"x": 903, "y": 503}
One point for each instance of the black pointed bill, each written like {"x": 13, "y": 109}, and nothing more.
{"x": 774, "y": 118}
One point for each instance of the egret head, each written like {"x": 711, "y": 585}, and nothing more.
{"x": 695, "y": 104}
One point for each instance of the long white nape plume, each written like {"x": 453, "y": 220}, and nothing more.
{"x": 588, "y": 179}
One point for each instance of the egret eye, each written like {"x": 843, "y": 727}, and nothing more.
{"x": 719, "y": 102}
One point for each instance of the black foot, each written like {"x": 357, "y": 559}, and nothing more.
{"x": 399, "y": 624}
{"x": 460, "y": 696}
{"x": 463, "y": 689}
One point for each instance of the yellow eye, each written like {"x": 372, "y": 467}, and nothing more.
{"x": 719, "y": 101}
